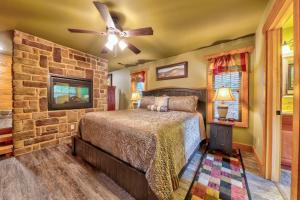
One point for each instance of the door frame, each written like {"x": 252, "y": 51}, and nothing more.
{"x": 274, "y": 21}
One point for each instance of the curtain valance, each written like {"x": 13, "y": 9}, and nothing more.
{"x": 138, "y": 76}
{"x": 229, "y": 63}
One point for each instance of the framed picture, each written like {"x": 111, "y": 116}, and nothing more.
{"x": 178, "y": 70}
{"x": 109, "y": 79}
{"x": 290, "y": 81}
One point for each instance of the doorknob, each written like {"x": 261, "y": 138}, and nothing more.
{"x": 278, "y": 112}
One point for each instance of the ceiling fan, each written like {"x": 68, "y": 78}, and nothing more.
{"x": 115, "y": 34}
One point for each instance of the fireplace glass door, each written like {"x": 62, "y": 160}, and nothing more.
{"x": 70, "y": 93}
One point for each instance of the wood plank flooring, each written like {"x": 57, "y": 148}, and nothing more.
{"x": 55, "y": 174}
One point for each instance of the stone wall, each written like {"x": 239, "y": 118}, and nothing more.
{"x": 34, "y": 126}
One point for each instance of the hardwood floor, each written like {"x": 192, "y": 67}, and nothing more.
{"x": 55, "y": 174}
{"x": 251, "y": 164}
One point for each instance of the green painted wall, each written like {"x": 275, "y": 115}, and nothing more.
{"x": 287, "y": 34}
{"x": 259, "y": 83}
{"x": 197, "y": 77}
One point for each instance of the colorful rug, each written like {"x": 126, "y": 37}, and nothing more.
{"x": 220, "y": 177}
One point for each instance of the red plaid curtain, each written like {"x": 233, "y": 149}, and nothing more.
{"x": 138, "y": 76}
{"x": 229, "y": 63}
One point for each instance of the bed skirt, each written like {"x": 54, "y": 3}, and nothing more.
{"x": 131, "y": 179}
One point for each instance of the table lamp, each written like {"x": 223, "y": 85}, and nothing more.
{"x": 135, "y": 97}
{"x": 223, "y": 94}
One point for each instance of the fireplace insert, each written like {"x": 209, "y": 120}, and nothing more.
{"x": 69, "y": 93}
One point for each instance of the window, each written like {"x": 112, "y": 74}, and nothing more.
{"x": 231, "y": 71}
{"x": 230, "y": 80}
{"x": 138, "y": 83}
{"x": 140, "y": 86}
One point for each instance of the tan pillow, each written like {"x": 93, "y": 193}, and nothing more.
{"x": 161, "y": 101}
{"x": 147, "y": 100}
{"x": 183, "y": 103}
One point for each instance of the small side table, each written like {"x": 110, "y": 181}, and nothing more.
{"x": 221, "y": 136}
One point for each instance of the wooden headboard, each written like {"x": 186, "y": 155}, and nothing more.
{"x": 200, "y": 93}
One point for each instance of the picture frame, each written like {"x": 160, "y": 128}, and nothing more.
{"x": 173, "y": 71}
{"x": 109, "y": 80}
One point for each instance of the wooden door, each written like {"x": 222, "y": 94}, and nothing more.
{"x": 111, "y": 98}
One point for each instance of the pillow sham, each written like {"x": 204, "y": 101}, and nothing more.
{"x": 162, "y": 101}
{"x": 147, "y": 100}
{"x": 183, "y": 103}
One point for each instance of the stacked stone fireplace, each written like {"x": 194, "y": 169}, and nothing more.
{"x": 35, "y": 60}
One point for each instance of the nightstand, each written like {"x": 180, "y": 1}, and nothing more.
{"x": 221, "y": 136}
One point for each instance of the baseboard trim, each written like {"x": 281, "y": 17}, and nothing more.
{"x": 260, "y": 163}
{"x": 242, "y": 147}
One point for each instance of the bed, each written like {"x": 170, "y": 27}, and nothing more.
{"x": 143, "y": 151}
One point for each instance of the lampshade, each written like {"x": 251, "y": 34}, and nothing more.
{"x": 224, "y": 94}
{"x": 135, "y": 96}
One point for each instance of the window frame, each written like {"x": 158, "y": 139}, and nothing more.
{"x": 244, "y": 97}
{"x": 132, "y": 87}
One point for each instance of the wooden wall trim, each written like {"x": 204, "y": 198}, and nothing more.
{"x": 5, "y": 82}
{"x": 295, "y": 185}
{"x": 277, "y": 14}
{"x": 272, "y": 104}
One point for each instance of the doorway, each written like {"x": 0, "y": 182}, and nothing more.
{"x": 283, "y": 93}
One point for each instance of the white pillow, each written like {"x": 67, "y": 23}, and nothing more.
{"x": 161, "y": 101}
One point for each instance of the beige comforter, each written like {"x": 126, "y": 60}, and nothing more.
{"x": 158, "y": 143}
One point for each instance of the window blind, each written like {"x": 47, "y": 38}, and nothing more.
{"x": 233, "y": 81}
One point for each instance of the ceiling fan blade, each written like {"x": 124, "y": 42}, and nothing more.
{"x": 74, "y": 30}
{"x": 133, "y": 48}
{"x": 138, "y": 32}
{"x": 104, "y": 12}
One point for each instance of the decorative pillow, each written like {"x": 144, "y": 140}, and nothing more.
{"x": 147, "y": 100}
{"x": 162, "y": 101}
{"x": 157, "y": 108}
{"x": 183, "y": 103}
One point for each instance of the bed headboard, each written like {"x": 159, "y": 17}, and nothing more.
{"x": 200, "y": 93}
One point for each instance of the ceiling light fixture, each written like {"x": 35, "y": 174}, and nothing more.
{"x": 286, "y": 50}
{"x": 111, "y": 41}
{"x": 109, "y": 45}
{"x": 122, "y": 45}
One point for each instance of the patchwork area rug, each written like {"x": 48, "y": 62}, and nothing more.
{"x": 220, "y": 177}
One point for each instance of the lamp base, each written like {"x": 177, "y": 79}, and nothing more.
{"x": 222, "y": 110}
{"x": 135, "y": 105}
